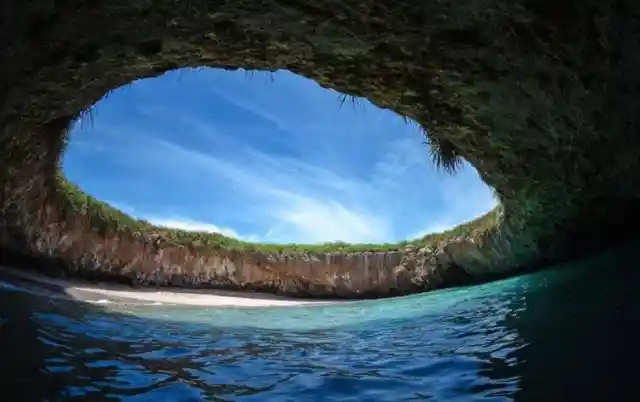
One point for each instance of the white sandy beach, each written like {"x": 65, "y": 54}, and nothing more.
{"x": 104, "y": 292}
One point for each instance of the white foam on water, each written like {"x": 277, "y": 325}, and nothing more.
{"x": 101, "y": 301}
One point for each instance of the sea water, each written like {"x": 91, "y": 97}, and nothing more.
{"x": 565, "y": 334}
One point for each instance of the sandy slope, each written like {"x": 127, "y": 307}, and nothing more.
{"x": 118, "y": 293}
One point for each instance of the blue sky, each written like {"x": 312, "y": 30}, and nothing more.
{"x": 269, "y": 157}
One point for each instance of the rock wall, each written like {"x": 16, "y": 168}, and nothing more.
{"x": 541, "y": 97}
{"x": 67, "y": 246}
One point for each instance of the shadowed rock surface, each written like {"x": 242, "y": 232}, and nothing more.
{"x": 541, "y": 97}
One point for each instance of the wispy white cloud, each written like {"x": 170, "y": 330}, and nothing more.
{"x": 463, "y": 200}
{"x": 299, "y": 202}
{"x": 191, "y": 225}
{"x": 316, "y": 220}
{"x": 320, "y": 177}
{"x": 309, "y": 203}
{"x": 176, "y": 221}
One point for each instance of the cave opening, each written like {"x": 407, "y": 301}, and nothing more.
{"x": 268, "y": 157}
{"x": 546, "y": 117}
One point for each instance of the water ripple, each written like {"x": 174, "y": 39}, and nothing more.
{"x": 520, "y": 339}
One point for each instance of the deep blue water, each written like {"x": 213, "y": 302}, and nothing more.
{"x": 566, "y": 334}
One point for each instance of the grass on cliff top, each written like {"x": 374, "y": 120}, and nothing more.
{"x": 106, "y": 219}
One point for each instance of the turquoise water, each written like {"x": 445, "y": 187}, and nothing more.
{"x": 560, "y": 335}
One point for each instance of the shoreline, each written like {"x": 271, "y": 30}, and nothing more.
{"x": 97, "y": 292}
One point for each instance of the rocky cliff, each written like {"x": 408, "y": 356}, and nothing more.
{"x": 67, "y": 244}
{"x": 541, "y": 97}
{"x": 41, "y": 228}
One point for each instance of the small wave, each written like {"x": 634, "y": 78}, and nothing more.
{"x": 126, "y": 303}
{"x": 101, "y": 301}
{"x": 33, "y": 290}
{"x": 137, "y": 303}
{"x": 9, "y": 286}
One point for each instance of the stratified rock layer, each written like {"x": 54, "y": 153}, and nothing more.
{"x": 540, "y": 96}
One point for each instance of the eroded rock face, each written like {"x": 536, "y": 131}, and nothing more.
{"x": 152, "y": 260}
{"x": 541, "y": 97}
{"x": 35, "y": 223}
